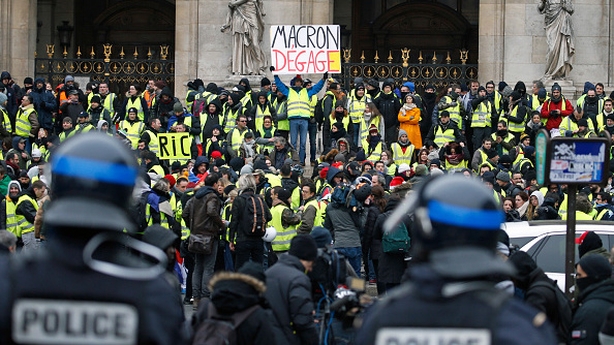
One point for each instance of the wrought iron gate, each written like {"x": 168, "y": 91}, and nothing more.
{"x": 439, "y": 70}
{"x": 116, "y": 67}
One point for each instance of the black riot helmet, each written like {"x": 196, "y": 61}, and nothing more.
{"x": 456, "y": 222}
{"x": 92, "y": 179}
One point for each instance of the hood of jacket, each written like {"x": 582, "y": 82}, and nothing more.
{"x": 289, "y": 183}
{"x": 200, "y": 160}
{"x": 36, "y": 81}
{"x": 5, "y": 75}
{"x": 332, "y": 171}
{"x": 204, "y": 191}
{"x": 232, "y": 291}
{"x": 167, "y": 91}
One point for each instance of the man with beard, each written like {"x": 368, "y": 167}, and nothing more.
{"x": 389, "y": 105}
{"x": 44, "y": 104}
{"x": 556, "y": 108}
{"x": 429, "y": 101}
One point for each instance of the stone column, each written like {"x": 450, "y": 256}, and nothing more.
{"x": 491, "y": 40}
{"x": 18, "y": 37}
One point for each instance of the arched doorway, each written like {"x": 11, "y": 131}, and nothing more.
{"x": 430, "y": 27}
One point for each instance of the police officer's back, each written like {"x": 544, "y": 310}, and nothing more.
{"x": 85, "y": 286}
{"x": 449, "y": 298}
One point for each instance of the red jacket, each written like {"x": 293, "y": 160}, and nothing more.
{"x": 549, "y": 105}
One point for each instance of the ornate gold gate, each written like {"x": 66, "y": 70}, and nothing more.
{"x": 115, "y": 67}
{"x": 438, "y": 70}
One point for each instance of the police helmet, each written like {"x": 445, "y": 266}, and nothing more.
{"x": 92, "y": 179}
{"x": 456, "y": 223}
{"x": 270, "y": 234}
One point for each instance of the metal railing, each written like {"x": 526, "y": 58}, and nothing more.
{"x": 422, "y": 71}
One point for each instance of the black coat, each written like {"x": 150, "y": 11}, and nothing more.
{"x": 369, "y": 241}
{"x": 289, "y": 294}
{"x": 389, "y": 106}
{"x": 593, "y": 304}
{"x": 234, "y": 292}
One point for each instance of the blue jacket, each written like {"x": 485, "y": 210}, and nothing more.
{"x": 312, "y": 91}
{"x": 44, "y": 103}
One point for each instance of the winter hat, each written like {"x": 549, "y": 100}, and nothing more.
{"x": 587, "y": 242}
{"x": 304, "y": 247}
{"x": 361, "y": 156}
{"x": 361, "y": 194}
{"x": 321, "y": 236}
{"x": 609, "y": 117}
{"x": 401, "y": 132}
{"x": 523, "y": 263}
{"x": 421, "y": 170}
{"x": 229, "y": 189}
{"x": 505, "y": 159}
{"x": 36, "y": 153}
{"x": 481, "y": 88}
{"x": 68, "y": 78}
{"x": 541, "y": 94}
{"x": 28, "y": 80}
{"x": 444, "y": 113}
{"x": 83, "y": 114}
{"x": 503, "y": 176}
{"x": 529, "y": 151}
{"x": 372, "y": 82}
{"x": 158, "y": 236}
{"x": 340, "y": 158}
{"x": 556, "y": 87}
{"x": 253, "y": 269}
{"x": 171, "y": 179}
{"x": 502, "y": 85}
{"x": 429, "y": 87}
{"x": 373, "y": 128}
{"x": 246, "y": 169}
{"x": 436, "y": 161}
{"x": 515, "y": 96}
{"x": 403, "y": 167}
{"x": 492, "y": 153}
{"x": 582, "y": 123}
{"x": 530, "y": 175}
{"x": 489, "y": 177}
{"x": 507, "y": 91}
{"x": 216, "y": 154}
{"x": 236, "y": 163}
{"x": 3, "y": 98}
{"x": 596, "y": 267}
{"x": 396, "y": 181}
{"x": 284, "y": 194}
{"x": 388, "y": 83}
{"x": 219, "y": 162}
{"x": 265, "y": 81}
{"x": 178, "y": 108}
{"x": 73, "y": 92}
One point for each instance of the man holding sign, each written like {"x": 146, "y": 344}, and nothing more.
{"x": 298, "y": 107}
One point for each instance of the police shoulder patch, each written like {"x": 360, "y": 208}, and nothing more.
{"x": 40, "y": 321}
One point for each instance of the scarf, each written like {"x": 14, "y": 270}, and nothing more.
{"x": 454, "y": 159}
{"x": 249, "y": 149}
{"x": 409, "y": 106}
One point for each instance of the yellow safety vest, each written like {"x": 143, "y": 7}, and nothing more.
{"x": 482, "y": 115}
{"x": 375, "y": 154}
{"x": 356, "y": 107}
{"x": 345, "y": 121}
{"x": 133, "y": 131}
{"x": 230, "y": 119}
{"x": 568, "y": 125}
{"x": 157, "y": 169}
{"x": 399, "y": 157}
{"x": 364, "y": 126}
{"x": 442, "y": 137}
{"x": 454, "y": 111}
{"x": 17, "y": 223}
{"x": 281, "y": 243}
{"x": 497, "y": 102}
{"x": 507, "y": 139}
{"x": 281, "y": 108}
{"x": 237, "y": 139}
{"x": 298, "y": 104}
{"x": 320, "y": 211}
{"x": 22, "y": 124}
{"x": 139, "y": 107}
{"x": 6, "y": 122}
{"x": 260, "y": 114}
{"x": 154, "y": 145}
{"x": 270, "y": 146}
{"x": 107, "y": 103}
{"x": 513, "y": 126}
{"x": 84, "y": 128}
{"x": 163, "y": 218}
{"x": 63, "y": 136}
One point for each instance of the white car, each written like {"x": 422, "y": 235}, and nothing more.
{"x": 544, "y": 241}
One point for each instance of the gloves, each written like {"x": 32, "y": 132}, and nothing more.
{"x": 272, "y": 68}
{"x": 325, "y": 76}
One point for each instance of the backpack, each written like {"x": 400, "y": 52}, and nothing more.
{"x": 220, "y": 330}
{"x": 255, "y": 215}
{"x": 564, "y": 311}
{"x": 397, "y": 240}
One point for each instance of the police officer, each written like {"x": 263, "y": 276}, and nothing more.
{"x": 449, "y": 298}
{"x": 85, "y": 287}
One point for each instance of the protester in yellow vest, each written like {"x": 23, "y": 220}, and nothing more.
{"x": 403, "y": 150}
{"x": 373, "y": 146}
{"x": 133, "y": 127}
{"x": 84, "y": 124}
{"x": 20, "y": 211}
{"x": 135, "y": 100}
{"x": 284, "y": 220}
{"x": 314, "y": 211}
{"x": 454, "y": 156}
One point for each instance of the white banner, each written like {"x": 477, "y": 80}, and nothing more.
{"x": 306, "y": 48}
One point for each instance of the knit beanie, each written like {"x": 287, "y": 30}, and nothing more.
{"x": 304, "y": 247}
{"x": 587, "y": 242}
{"x": 322, "y": 236}
{"x": 178, "y": 108}
{"x": 596, "y": 267}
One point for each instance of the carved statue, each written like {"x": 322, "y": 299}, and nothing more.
{"x": 559, "y": 35}
{"x": 245, "y": 22}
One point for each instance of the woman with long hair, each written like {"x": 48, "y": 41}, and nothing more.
{"x": 521, "y": 202}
